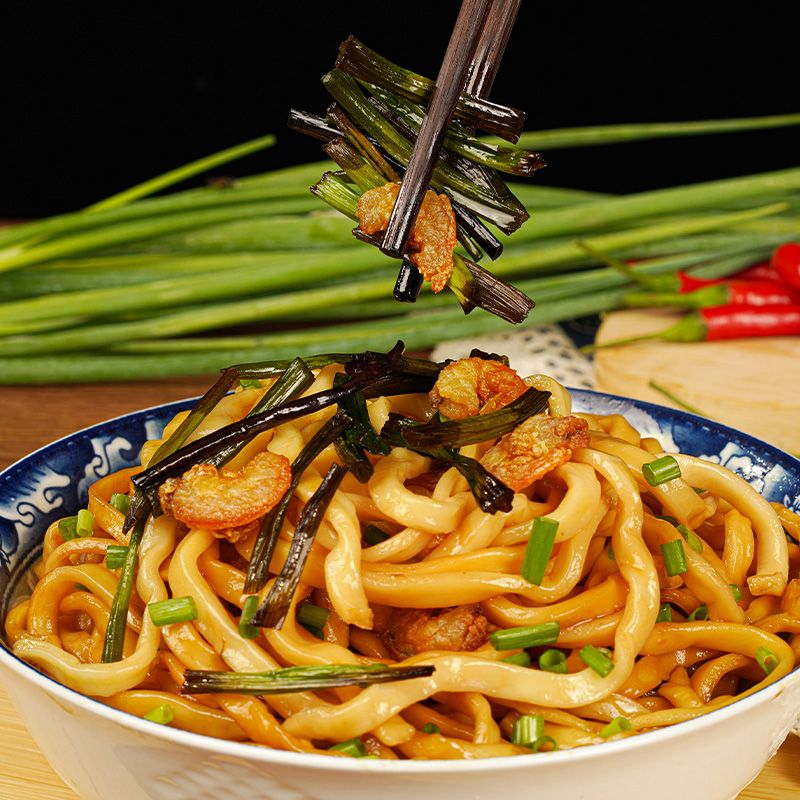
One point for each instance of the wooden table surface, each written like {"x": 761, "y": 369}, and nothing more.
{"x": 34, "y": 416}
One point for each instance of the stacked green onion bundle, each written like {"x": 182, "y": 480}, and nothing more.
{"x": 142, "y": 287}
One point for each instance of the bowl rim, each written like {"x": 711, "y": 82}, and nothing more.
{"x": 316, "y": 761}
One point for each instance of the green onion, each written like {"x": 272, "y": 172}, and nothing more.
{"x": 661, "y": 470}
{"x": 538, "y": 549}
{"x": 175, "y": 609}
{"x": 553, "y": 661}
{"x": 526, "y": 636}
{"x": 543, "y": 740}
{"x": 311, "y": 616}
{"x": 520, "y": 659}
{"x": 121, "y": 502}
{"x": 352, "y": 747}
{"x": 246, "y": 628}
{"x": 664, "y": 613}
{"x": 116, "y": 555}
{"x": 374, "y": 535}
{"x": 527, "y": 729}
{"x": 430, "y": 727}
{"x": 249, "y": 383}
{"x": 298, "y": 679}
{"x": 617, "y": 725}
{"x": 766, "y": 659}
{"x": 674, "y": 559}
{"x": 84, "y": 523}
{"x": 162, "y": 714}
{"x": 691, "y": 538}
{"x": 81, "y": 588}
{"x": 701, "y": 612}
{"x": 611, "y": 553}
{"x": 597, "y": 660}
{"x": 737, "y": 592}
{"x": 68, "y": 528}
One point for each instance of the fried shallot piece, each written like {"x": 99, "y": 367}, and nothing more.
{"x": 227, "y": 501}
{"x": 534, "y": 447}
{"x": 417, "y": 630}
{"x": 473, "y": 386}
{"x": 433, "y": 237}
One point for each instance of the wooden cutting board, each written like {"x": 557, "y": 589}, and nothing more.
{"x": 752, "y": 384}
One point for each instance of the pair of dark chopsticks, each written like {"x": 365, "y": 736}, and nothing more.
{"x": 470, "y": 64}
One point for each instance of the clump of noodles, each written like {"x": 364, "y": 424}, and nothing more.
{"x": 443, "y": 577}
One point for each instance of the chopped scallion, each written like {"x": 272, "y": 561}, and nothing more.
{"x": 737, "y": 592}
{"x": 542, "y": 741}
{"x": 68, "y": 528}
{"x": 661, "y": 470}
{"x": 538, "y": 549}
{"x": 121, "y": 502}
{"x": 246, "y": 628}
{"x": 667, "y": 518}
{"x": 162, "y": 714}
{"x": 526, "y": 636}
{"x": 701, "y": 612}
{"x": 594, "y": 658}
{"x": 352, "y": 747}
{"x": 766, "y": 659}
{"x": 116, "y": 555}
{"x": 176, "y": 609}
{"x": 520, "y": 659}
{"x": 617, "y": 725}
{"x": 85, "y": 523}
{"x": 691, "y": 538}
{"x": 553, "y": 661}
{"x": 527, "y": 729}
{"x": 674, "y": 559}
{"x": 250, "y": 383}
{"x": 311, "y": 616}
{"x": 81, "y": 588}
{"x": 664, "y": 613}
{"x": 429, "y": 727}
{"x": 374, "y": 535}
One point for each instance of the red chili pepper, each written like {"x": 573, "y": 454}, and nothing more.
{"x": 758, "y": 272}
{"x": 721, "y": 293}
{"x": 786, "y": 261}
{"x": 725, "y": 322}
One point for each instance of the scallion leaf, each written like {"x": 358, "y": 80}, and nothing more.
{"x": 374, "y": 535}
{"x": 664, "y": 613}
{"x": 542, "y": 741}
{"x": 172, "y": 610}
{"x": 617, "y": 725}
{"x": 553, "y": 661}
{"x": 526, "y": 636}
{"x": 352, "y": 747}
{"x": 701, "y": 612}
{"x": 68, "y": 528}
{"x": 674, "y": 559}
{"x": 766, "y": 659}
{"x": 594, "y": 658}
{"x": 84, "y": 523}
{"x": 690, "y": 537}
{"x": 120, "y": 501}
{"x": 311, "y": 616}
{"x": 163, "y": 714}
{"x": 538, "y": 549}
{"x": 661, "y": 470}
{"x": 737, "y": 592}
{"x": 116, "y": 555}
{"x": 430, "y": 727}
{"x": 527, "y": 729}
{"x": 521, "y": 659}
{"x": 246, "y": 628}
{"x": 250, "y": 383}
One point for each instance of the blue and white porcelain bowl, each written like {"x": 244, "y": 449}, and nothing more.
{"x": 105, "y": 754}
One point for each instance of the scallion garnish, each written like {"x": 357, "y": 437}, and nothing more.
{"x": 542, "y": 741}
{"x": 553, "y": 661}
{"x": 526, "y": 636}
{"x": 172, "y": 610}
{"x": 597, "y": 660}
{"x": 298, "y": 679}
{"x": 374, "y": 535}
{"x": 674, "y": 559}
{"x": 527, "y": 729}
{"x": 84, "y": 526}
{"x": 664, "y": 613}
{"x": 660, "y": 470}
{"x": 701, "y": 612}
{"x": 737, "y": 592}
{"x": 68, "y": 528}
{"x": 690, "y": 537}
{"x": 311, "y": 616}
{"x": 120, "y": 501}
{"x": 538, "y": 549}
{"x": 116, "y": 555}
{"x": 352, "y": 747}
{"x": 617, "y": 725}
{"x": 430, "y": 727}
{"x": 766, "y": 659}
{"x": 250, "y": 383}
{"x": 521, "y": 659}
{"x": 163, "y": 714}
{"x": 246, "y": 628}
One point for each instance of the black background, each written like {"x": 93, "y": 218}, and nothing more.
{"x": 98, "y": 99}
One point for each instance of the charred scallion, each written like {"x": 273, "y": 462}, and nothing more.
{"x": 298, "y": 679}
{"x": 272, "y": 612}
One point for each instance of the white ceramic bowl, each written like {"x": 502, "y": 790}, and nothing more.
{"x": 105, "y": 754}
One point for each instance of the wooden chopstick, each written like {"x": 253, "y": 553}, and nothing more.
{"x": 441, "y": 106}
{"x": 491, "y": 46}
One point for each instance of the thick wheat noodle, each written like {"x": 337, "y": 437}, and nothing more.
{"x": 442, "y": 552}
